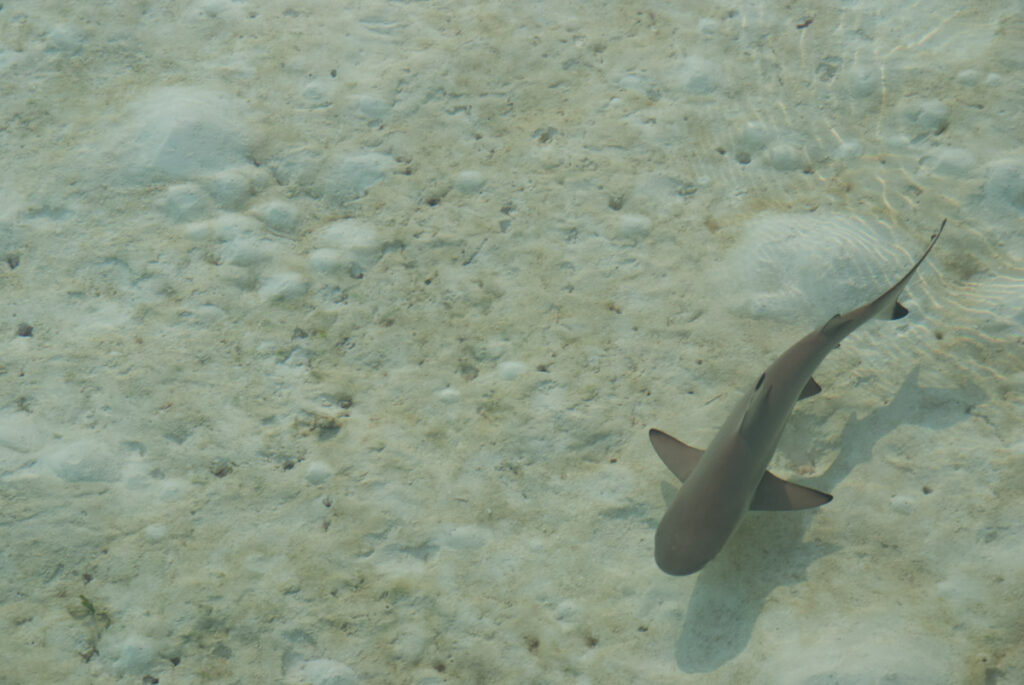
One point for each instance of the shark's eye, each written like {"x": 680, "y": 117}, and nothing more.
{"x": 759, "y": 382}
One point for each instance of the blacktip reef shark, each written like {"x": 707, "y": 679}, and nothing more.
{"x": 730, "y": 477}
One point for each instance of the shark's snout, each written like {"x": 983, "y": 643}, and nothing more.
{"x": 676, "y": 553}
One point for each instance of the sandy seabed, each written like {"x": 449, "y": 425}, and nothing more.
{"x": 330, "y": 335}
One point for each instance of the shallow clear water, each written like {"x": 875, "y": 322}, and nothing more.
{"x": 333, "y": 333}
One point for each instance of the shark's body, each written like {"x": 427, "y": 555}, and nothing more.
{"x": 730, "y": 477}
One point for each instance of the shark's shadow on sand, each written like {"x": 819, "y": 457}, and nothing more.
{"x": 767, "y": 550}
{"x": 730, "y": 591}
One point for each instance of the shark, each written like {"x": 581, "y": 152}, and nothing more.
{"x": 721, "y": 483}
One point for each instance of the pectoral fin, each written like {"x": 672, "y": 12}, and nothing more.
{"x": 775, "y": 494}
{"x": 679, "y": 457}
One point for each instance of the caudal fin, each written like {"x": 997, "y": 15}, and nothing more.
{"x": 887, "y": 305}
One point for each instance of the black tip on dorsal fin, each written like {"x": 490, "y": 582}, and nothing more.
{"x": 898, "y": 312}
{"x": 831, "y": 323}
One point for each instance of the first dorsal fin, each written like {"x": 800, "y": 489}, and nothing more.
{"x": 680, "y": 458}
